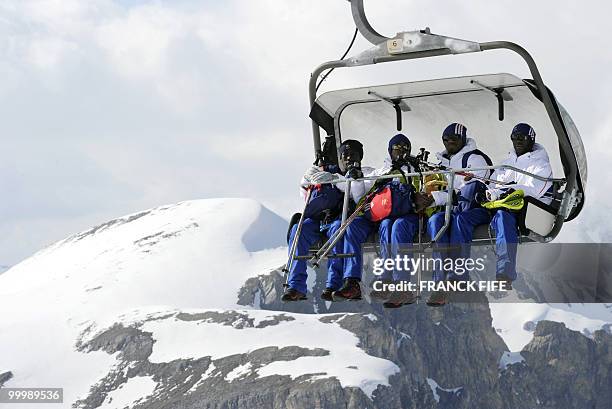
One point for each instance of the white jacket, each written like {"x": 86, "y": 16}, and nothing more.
{"x": 384, "y": 169}
{"x": 455, "y": 162}
{"x": 357, "y": 188}
{"x": 536, "y": 162}
{"x": 360, "y": 188}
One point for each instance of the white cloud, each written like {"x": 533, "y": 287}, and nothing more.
{"x": 47, "y": 53}
{"x": 144, "y": 103}
{"x": 137, "y": 44}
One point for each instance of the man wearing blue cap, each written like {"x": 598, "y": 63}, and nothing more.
{"x": 393, "y": 231}
{"x": 460, "y": 152}
{"x": 531, "y": 157}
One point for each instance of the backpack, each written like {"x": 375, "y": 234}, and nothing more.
{"x": 392, "y": 200}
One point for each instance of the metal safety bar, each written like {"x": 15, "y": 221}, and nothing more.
{"x": 324, "y": 249}
{"x": 454, "y": 171}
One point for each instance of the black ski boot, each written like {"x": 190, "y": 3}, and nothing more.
{"x": 381, "y": 295}
{"x": 399, "y": 298}
{"x": 292, "y": 295}
{"x": 437, "y": 299}
{"x": 350, "y": 290}
{"x": 327, "y": 294}
{"x": 506, "y": 279}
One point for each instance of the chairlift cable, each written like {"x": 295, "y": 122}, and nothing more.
{"x": 341, "y": 58}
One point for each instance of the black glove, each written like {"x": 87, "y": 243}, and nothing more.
{"x": 354, "y": 173}
{"x": 381, "y": 182}
{"x": 422, "y": 201}
{"x": 506, "y": 193}
{"x": 480, "y": 197}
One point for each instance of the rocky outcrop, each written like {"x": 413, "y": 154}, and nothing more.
{"x": 457, "y": 349}
{"x": 229, "y": 382}
{"x": 562, "y": 369}
{"x": 447, "y": 357}
{"x": 5, "y": 377}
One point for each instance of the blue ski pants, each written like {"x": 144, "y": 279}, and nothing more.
{"x": 310, "y": 234}
{"x": 505, "y": 225}
{"x": 393, "y": 234}
{"x": 459, "y": 233}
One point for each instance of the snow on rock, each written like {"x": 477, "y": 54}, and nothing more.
{"x": 402, "y": 337}
{"x": 509, "y": 358}
{"x": 435, "y": 388}
{"x": 177, "y": 339}
{"x": 204, "y": 376}
{"x": 515, "y": 322}
{"x": 239, "y": 372}
{"x": 193, "y": 254}
{"x": 134, "y": 391}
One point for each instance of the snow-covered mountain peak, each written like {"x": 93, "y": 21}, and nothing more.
{"x": 190, "y": 255}
{"x": 183, "y": 255}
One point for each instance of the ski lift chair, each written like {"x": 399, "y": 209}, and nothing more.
{"x": 489, "y": 105}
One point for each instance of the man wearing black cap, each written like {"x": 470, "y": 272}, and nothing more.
{"x": 393, "y": 231}
{"x": 322, "y": 217}
{"x": 531, "y": 157}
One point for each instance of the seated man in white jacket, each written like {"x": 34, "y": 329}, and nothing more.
{"x": 460, "y": 152}
{"x": 530, "y": 157}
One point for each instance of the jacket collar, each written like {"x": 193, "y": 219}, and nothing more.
{"x": 470, "y": 145}
{"x": 537, "y": 154}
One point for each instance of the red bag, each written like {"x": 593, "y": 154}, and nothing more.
{"x": 381, "y": 205}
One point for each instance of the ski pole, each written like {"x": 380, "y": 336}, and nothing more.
{"x": 329, "y": 244}
{"x": 421, "y": 222}
{"x": 296, "y": 237}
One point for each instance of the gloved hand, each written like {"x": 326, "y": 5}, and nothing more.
{"x": 354, "y": 173}
{"x": 310, "y": 172}
{"x": 422, "y": 201}
{"x": 506, "y": 193}
{"x": 493, "y": 194}
{"x": 480, "y": 197}
{"x": 497, "y": 194}
{"x": 322, "y": 177}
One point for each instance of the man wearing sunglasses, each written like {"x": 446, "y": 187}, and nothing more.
{"x": 393, "y": 231}
{"x": 322, "y": 217}
{"x": 460, "y": 152}
{"x": 531, "y": 157}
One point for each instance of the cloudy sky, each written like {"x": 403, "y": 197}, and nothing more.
{"x": 110, "y": 107}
